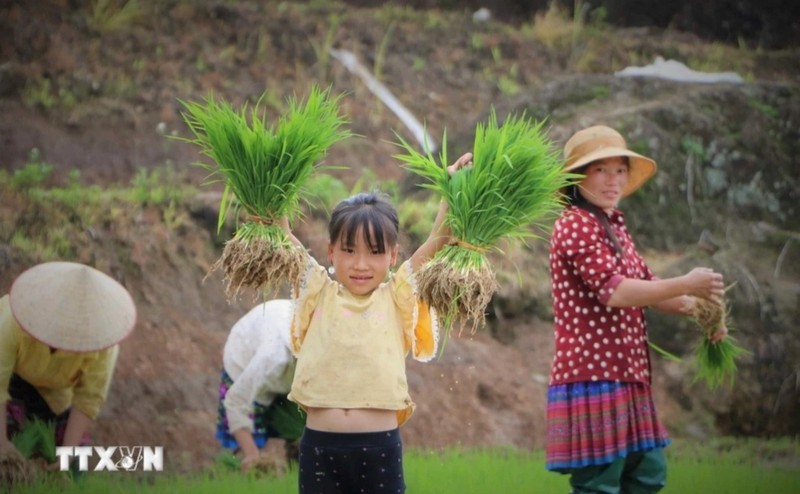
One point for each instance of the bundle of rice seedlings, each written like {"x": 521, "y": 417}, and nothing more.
{"x": 44, "y": 434}
{"x": 716, "y": 361}
{"x": 286, "y": 419}
{"x": 265, "y": 170}
{"x": 512, "y": 185}
{"x": 15, "y": 470}
{"x": 35, "y": 440}
{"x": 271, "y": 462}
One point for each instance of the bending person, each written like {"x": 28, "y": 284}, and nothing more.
{"x": 258, "y": 367}
{"x": 60, "y": 329}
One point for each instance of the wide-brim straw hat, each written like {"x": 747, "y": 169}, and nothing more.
{"x": 72, "y": 306}
{"x": 598, "y": 142}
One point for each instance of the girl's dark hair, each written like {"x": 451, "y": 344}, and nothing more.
{"x": 373, "y": 214}
{"x": 575, "y": 198}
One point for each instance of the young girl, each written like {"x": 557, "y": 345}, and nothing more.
{"x": 351, "y": 335}
{"x": 602, "y": 426}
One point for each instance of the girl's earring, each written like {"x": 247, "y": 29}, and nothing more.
{"x": 331, "y": 270}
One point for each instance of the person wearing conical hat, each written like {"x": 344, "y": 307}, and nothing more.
{"x": 60, "y": 328}
{"x": 602, "y": 426}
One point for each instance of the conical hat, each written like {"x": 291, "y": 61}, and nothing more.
{"x": 72, "y": 307}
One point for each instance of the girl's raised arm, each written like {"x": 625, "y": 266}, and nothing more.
{"x": 440, "y": 233}
{"x": 284, "y": 223}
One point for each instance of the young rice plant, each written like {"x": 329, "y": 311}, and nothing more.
{"x": 264, "y": 169}
{"x": 513, "y": 184}
{"x": 716, "y": 361}
{"x": 35, "y": 440}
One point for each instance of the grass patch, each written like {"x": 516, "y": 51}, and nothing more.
{"x": 721, "y": 466}
{"x": 105, "y": 16}
{"x": 55, "y": 221}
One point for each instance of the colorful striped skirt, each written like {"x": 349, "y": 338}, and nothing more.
{"x": 597, "y": 423}
{"x": 258, "y": 416}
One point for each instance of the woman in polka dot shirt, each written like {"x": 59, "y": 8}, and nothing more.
{"x": 602, "y": 427}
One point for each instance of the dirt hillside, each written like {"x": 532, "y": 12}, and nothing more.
{"x": 99, "y": 92}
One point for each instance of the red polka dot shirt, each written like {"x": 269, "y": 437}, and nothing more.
{"x": 595, "y": 342}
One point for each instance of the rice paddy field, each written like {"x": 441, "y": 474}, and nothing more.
{"x": 720, "y": 466}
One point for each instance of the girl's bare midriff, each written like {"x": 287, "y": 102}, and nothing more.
{"x": 351, "y": 419}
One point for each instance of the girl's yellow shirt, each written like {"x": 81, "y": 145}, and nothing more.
{"x": 351, "y": 349}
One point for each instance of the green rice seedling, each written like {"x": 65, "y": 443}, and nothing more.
{"x": 227, "y": 461}
{"x": 264, "y": 169}
{"x": 667, "y": 355}
{"x": 478, "y": 471}
{"x": 35, "y": 440}
{"x": 286, "y": 418}
{"x": 512, "y": 185}
{"x": 26, "y": 441}
{"x": 716, "y": 361}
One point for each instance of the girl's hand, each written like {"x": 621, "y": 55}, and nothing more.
{"x": 440, "y": 232}
{"x": 464, "y": 161}
{"x": 284, "y": 224}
